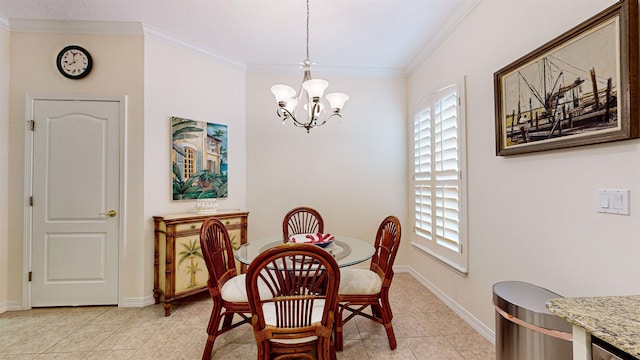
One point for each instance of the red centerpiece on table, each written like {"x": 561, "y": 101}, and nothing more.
{"x": 322, "y": 240}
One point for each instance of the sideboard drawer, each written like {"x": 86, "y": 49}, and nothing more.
{"x": 232, "y": 221}
{"x": 179, "y": 228}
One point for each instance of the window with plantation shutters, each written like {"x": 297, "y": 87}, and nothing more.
{"x": 439, "y": 161}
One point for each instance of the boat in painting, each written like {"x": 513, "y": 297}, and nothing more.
{"x": 560, "y": 102}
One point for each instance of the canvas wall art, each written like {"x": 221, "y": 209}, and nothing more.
{"x": 199, "y": 168}
{"x": 578, "y": 89}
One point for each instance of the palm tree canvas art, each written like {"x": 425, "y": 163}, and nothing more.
{"x": 198, "y": 159}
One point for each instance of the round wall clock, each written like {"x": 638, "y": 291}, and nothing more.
{"x": 74, "y": 62}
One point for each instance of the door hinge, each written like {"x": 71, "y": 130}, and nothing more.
{"x": 32, "y": 125}
{"x": 30, "y": 200}
{"x": 30, "y": 275}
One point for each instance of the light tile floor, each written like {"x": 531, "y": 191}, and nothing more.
{"x": 425, "y": 329}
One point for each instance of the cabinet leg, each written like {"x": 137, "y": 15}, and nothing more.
{"x": 167, "y": 309}
{"x": 156, "y": 296}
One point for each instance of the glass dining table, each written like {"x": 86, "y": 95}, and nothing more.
{"x": 346, "y": 250}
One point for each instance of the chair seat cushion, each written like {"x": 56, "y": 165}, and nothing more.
{"x": 269, "y": 310}
{"x": 235, "y": 290}
{"x": 359, "y": 282}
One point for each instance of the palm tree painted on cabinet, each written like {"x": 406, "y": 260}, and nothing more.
{"x": 191, "y": 251}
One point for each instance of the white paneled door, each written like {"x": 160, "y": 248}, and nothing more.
{"x": 76, "y": 203}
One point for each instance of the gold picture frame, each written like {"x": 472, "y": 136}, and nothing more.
{"x": 578, "y": 89}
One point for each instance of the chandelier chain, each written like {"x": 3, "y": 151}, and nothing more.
{"x": 307, "y": 29}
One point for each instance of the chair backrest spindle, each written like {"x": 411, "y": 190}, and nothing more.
{"x": 216, "y": 249}
{"x": 386, "y": 245}
{"x": 301, "y": 220}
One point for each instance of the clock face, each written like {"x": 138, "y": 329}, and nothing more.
{"x": 74, "y": 62}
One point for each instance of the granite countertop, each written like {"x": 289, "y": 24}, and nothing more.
{"x": 614, "y": 319}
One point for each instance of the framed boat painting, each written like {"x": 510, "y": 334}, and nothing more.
{"x": 198, "y": 159}
{"x": 578, "y": 89}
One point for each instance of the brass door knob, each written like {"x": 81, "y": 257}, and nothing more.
{"x": 110, "y": 213}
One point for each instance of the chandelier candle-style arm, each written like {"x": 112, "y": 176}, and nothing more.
{"x": 289, "y": 103}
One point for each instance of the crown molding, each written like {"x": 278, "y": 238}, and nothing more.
{"x": 112, "y": 28}
{"x": 163, "y": 36}
{"x": 148, "y": 31}
{"x": 453, "y": 23}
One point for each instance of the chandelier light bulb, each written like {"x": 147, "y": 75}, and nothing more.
{"x": 315, "y": 87}
{"x": 306, "y": 106}
{"x": 318, "y": 108}
{"x": 337, "y": 100}
{"x": 283, "y": 93}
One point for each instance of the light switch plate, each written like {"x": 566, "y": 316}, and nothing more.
{"x": 613, "y": 201}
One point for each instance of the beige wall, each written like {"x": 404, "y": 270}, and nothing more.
{"x": 203, "y": 90}
{"x": 353, "y": 172}
{"x": 4, "y": 165}
{"x": 118, "y": 70}
{"x": 152, "y": 75}
{"x": 531, "y": 217}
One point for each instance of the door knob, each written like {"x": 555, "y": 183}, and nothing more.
{"x": 110, "y": 213}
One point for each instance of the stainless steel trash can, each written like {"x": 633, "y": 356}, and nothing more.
{"x": 525, "y": 329}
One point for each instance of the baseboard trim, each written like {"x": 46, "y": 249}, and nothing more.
{"x": 127, "y": 302}
{"x": 138, "y": 302}
{"x": 11, "y": 306}
{"x": 476, "y": 324}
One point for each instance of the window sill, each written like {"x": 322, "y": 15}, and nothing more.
{"x": 460, "y": 270}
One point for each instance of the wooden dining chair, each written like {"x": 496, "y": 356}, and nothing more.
{"x": 296, "y": 320}
{"x": 301, "y": 220}
{"x": 226, "y": 287}
{"x": 362, "y": 288}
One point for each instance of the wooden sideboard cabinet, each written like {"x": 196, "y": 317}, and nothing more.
{"x": 179, "y": 269}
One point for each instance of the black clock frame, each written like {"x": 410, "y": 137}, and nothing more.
{"x": 79, "y": 48}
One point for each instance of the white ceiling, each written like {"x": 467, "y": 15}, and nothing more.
{"x": 371, "y": 34}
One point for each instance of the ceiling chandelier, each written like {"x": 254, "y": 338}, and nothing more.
{"x": 313, "y": 107}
